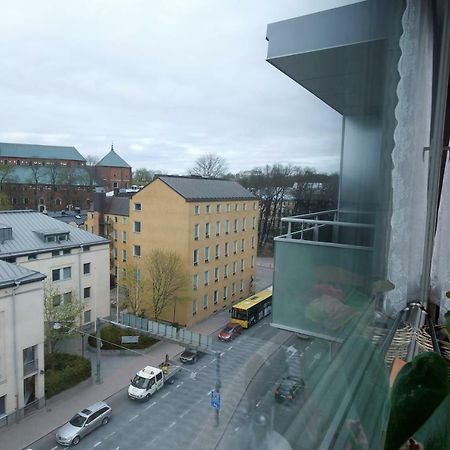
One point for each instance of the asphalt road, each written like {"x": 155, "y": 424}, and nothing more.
{"x": 174, "y": 415}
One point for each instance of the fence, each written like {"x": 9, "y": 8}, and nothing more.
{"x": 183, "y": 336}
{"x": 8, "y": 419}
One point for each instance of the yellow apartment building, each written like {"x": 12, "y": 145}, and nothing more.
{"x": 211, "y": 224}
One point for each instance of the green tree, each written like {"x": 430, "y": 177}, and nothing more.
{"x": 143, "y": 176}
{"x": 62, "y": 312}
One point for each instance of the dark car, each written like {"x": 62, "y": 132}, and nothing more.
{"x": 289, "y": 388}
{"x": 230, "y": 331}
{"x": 190, "y": 355}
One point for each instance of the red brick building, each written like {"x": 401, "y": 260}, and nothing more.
{"x": 113, "y": 172}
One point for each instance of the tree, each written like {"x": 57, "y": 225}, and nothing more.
{"x": 37, "y": 172}
{"x": 166, "y": 277}
{"x": 91, "y": 162}
{"x": 143, "y": 176}
{"x": 61, "y": 312}
{"x": 135, "y": 286}
{"x": 210, "y": 165}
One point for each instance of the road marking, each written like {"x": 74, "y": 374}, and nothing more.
{"x": 165, "y": 395}
{"x": 117, "y": 448}
{"x": 170, "y": 426}
{"x": 97, "y": 444}
{"x": 109, "y": 435}
{"x": 258, "y": 403}
{"x": 178, "y": 385}
{"x": 223, "y": 353}
{"x": 182, "y": 415}
{"x": 54, "y": 448}
{"x": 236, "y": 429}
{"x": 134, "y": 417}
{"x": 204, "y": 367}
{"x": 149, "y": 406}
{"x": 213, "y": 360}
{"x": 208, "y": 393}
{"x": 229, "y": 348}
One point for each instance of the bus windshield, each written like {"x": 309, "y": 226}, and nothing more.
{"x": 240, "y": 314}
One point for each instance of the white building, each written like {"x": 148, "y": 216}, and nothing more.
{"x": 21, "y": 340}
{"x": 74, "y": 261}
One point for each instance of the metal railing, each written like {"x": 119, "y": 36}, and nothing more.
{"x": 30, "y": 367}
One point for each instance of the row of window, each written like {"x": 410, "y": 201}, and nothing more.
{"x": 226, "y": 272}
{"x": 216, "y": 296}
{"x": 136, "y": 229}
{"x": 227, "y": 208}
{"x": 218, "y": 227}
{"x": 226, "y": 248}
{"x": 65, "y": 273}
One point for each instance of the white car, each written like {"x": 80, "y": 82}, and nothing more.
{"x": 83, "y": 423}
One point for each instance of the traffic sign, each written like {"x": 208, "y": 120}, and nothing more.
{"x": 215, "y": 399}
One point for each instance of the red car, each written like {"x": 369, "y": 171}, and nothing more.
{"x": 230, "y": 331}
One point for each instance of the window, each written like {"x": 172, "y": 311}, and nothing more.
{"x": 115, "y": 219}
{"x": 194, "y": 307}
{"x": 124, "y": 237}
{"x": 124, "y": 220}
{"x": 137, "y": 250}
{"x": 87, "y": 292}
{"x": 225, "y": 271}
{"x": 236, "y": 207}
{"x": 206, "y": 277}
{"x": 2, "y": 405}
{"x": 67, "y": 298}
{"x": 64, "y": 273}
{"x": 124, "y": 255}
{"x": 197, "y": 210}
{"x": 196, "y": 231}
{"x": 32, "y": 257}
{"x": 227, "y": 226}
{"x": 86, "y": 268}
{"x": 207, "y": 230}
{"x": 244, "y": 206}
{"x": 254, "y": 206}
{"x": 56, "y": 299}
{"x": 242, "y": 285}
{"x": 234, "y": 267}
{"x": 196, "y": 257}
{"x": 138, "y": 207}
{"x": 228, "y": 207}
{"x": 244, "y": 223}
{"x": 206, "y": 254}
{"x": 242, "y": 265}
{"x": 254, "y": 222}
{"x": 115, "y": 234}
{"x": 226, "y": 248}
{"x": 233, "y": 288}
{"x": 216, "y": 297}
{"x": 216, "y": 274}
{"x": 218, "y": 208}
{"x": 243, "y": 245}
{"x": 137, "y": 226}
{"x": 194, "y": 282}
{"x": 87, "y": 316}
{"x": 115, "y": 253}
{"x": 252, "y": 262}
{"x": 217, "y": 253}
{"x": 225, "y": 292}
{"x": 236, "y": 225}
{"x": 208, "y": 209}
{"x": 235, "y": 247}
{"x": 253, "y": 241}
{"x": 205, "y": 301}
{"x": 217, "y": 228}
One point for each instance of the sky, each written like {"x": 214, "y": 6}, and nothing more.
{"x": 166, "y": 81}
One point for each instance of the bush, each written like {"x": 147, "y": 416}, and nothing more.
{"x": 111, "y": 335}
{"x": 63, "y": 370}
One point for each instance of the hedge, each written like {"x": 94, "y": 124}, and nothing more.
{"x": 113, "y": 334}
{"x": 63, "y": 370}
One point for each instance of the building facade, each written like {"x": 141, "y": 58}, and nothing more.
{"x": 113, "y": 172}
{"x": 21, "y": 341}
{"x": 211, "y": 224}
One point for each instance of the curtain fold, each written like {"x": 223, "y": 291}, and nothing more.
{"x": 410, "y": 168}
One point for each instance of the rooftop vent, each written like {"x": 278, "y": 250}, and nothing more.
{"x": 5, "y": 233}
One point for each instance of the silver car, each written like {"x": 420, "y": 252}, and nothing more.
{"x": 83, "y": 423}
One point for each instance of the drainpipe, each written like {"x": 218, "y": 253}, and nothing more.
{"x": 16, "y": 365}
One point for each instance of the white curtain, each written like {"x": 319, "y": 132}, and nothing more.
{"x": 410, "y": 168}
{"x": 440, "y": 267}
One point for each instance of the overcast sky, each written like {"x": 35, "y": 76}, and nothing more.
{"x": 165, "y": 80}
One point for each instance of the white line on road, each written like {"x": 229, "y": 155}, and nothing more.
{"x": 165, "y": 395}
{"x": 97, "y": 444}
{"x": 236, "y": 429}
{"x": 111, "y": 434}
{"x": 208, "y": 393}
{"x": 213, "y": 361}
{"x": 134, "y": 417}
{"x": 229, "y": 348}
{"x": 204, "y": 367}
{"x": 170, "y": 426}
{"x": 223, "y": 353}
{"x": 178, "y": 385}
{"x": 182, "y": 415}
{"x": 54, "y": 448}
{"x": 149, "y": 406}
{"x": 117, "y": 448}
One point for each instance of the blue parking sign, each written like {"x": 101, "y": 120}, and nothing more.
{"x": 215, "y": 399}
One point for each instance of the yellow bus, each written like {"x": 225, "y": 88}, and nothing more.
{"x": 251, "y": 310}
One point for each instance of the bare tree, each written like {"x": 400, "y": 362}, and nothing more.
{"x": 143, "y": 176}
{"x": 135, "y": 286}
{"x": 210, "y": 165}
{"x": 91, "y": 162}
{"x": 61, "y": 312}
{"x": 37, "y": 173}
{"x": 167, "y": 278}
{"x": 6, "y": 173}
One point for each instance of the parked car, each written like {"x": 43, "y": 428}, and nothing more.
{"x": 289, "y": 388}
{"x": 190, "y": 355}
{"x": 230, "y": 331}
{"x": 83, "y": 423}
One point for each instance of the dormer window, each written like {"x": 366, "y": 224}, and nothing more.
{"x": 53, "y": 236}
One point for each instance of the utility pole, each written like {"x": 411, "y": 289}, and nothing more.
{"x": 98, "y": 377}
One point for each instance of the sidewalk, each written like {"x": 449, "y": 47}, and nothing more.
{"x": 116, "y": 372}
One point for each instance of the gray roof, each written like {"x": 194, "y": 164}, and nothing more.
{"x": 29, "y": 226}
{"x": 199, "y": 189}
{"x": 119, "y": 206}
{"x": 112, "y": 159}
{"x": 39, "y": 151}
{"x": 69, "y": 216}
{"x": 12, "y": 273}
